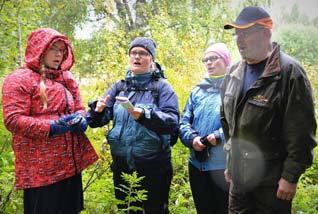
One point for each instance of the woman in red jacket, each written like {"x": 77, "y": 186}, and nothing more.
{"x": 43, "y": 111}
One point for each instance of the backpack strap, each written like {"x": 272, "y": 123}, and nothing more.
{"x": 155, "y": 90}
{"x": 154, "y": 87}
{"x": 120, "y": 86}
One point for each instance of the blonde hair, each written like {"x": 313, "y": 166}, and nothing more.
{"x": 43, "y": 95}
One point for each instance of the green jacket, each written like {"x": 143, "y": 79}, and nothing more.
{"x": 270, "y": 130}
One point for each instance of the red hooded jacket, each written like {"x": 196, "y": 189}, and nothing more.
{"x": 40, "y": 159}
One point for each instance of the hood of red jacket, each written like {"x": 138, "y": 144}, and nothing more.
{"x": 40, "y": 41}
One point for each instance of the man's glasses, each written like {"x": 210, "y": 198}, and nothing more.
{"x": 57, "y": 50}
{"x": 210, "y": 58}
{"x": 139, "y": 53}
{"x": 247, "y": 32}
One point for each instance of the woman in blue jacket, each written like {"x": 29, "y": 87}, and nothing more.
{"x": 140, "y": 136}
{"x": 202, "y": 133}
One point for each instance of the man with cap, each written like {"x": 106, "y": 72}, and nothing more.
{"x": 140, "y": 137}
{"x": 268, "y": 119}
{"x": 201, "y": 117}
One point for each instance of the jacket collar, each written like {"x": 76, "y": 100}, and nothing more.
{"x": 273, "y": 63}
{"x": 238, "y": 73}
{"x": 208, "y": 82}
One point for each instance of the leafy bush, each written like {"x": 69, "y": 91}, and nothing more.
{"x": 300, "y": 41}
{"x": 133, "y": 192}
{"x": 306, "y": 200}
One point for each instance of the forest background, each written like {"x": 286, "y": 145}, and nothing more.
{"x": 182, "y": 30}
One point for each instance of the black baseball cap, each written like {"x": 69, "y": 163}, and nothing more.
{"x": 249, "y": 17}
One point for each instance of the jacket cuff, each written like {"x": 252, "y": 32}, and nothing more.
{"x": 217, "y": 136}
{"x": 145, "y": 115}
{"x": 290, "y": 178}
{"x": 193, "y": 135}
{"x": 94, "y": 114}
{"x": 292, "y": 171}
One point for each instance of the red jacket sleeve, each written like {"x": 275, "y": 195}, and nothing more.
{"x": 16, "y": 99}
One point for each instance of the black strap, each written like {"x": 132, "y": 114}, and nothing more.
{"x": 154, "y": 88}
{"x": 67, "y": 108}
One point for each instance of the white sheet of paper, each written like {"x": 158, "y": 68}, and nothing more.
{"x": 124, "y": 101}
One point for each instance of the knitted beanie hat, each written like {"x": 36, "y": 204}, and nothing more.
{"x": 221, "y": 50}
{"x": 146, "y": 43}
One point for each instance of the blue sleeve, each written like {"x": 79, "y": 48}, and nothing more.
{"x": 165, "y": 118}
{"x": 187, "y": 133}
{"x": 99, "y": 119}
{"x": 219, "y": 135}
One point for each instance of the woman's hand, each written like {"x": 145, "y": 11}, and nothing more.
{"x": 101, "y": 104}
{"x": 212, "y": 140}
{"x": 197, "y": 145}
{"x": 135, "y": 112}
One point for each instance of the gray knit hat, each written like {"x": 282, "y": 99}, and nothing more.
{"x": 145, "y": 43}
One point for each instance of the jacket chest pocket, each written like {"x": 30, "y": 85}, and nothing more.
{"x": 263, "y": 105}
{"x": 260, "y": 111}
{"x": 260, "y": 104}
{"x": 145, "y": 100}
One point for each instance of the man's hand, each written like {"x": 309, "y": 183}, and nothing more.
{"x": 101, "y": 104}
{"x": 197, "y": 145}
{"x": 286, "y": 190}
{"x": 227, "y": 176}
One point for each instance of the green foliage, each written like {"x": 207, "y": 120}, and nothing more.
{"x": 19, "y": 17}
{"x": 133, "y": 192}
{"x": 180, "y": 199}
{"x": 98, "y": 189}
{"x": 295, "y": 16}
{"x": 298, "y": 40}
{"x": 104, "y": 57}
{"x": 298, "y": 35}
{"x": 15, "y": 20}
{"x": 64, "y": 15}
{"x": 245, "y": 3}
{"x": 306, "y": 201}
{"x": 97, "y": 179}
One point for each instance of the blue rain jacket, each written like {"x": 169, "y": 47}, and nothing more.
{"x": 201, "y": 117}
{"x": 146, "y": 140}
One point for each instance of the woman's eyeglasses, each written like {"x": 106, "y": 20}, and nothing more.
{"x": 139, "y": 53}
{"x": 57, "y": 50}
{"x": 210, "y": 58}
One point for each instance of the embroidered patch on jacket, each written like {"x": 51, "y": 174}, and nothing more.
{"x": 260, "y": 99}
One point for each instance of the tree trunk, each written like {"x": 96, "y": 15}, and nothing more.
{"x": 20, "y": 41}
